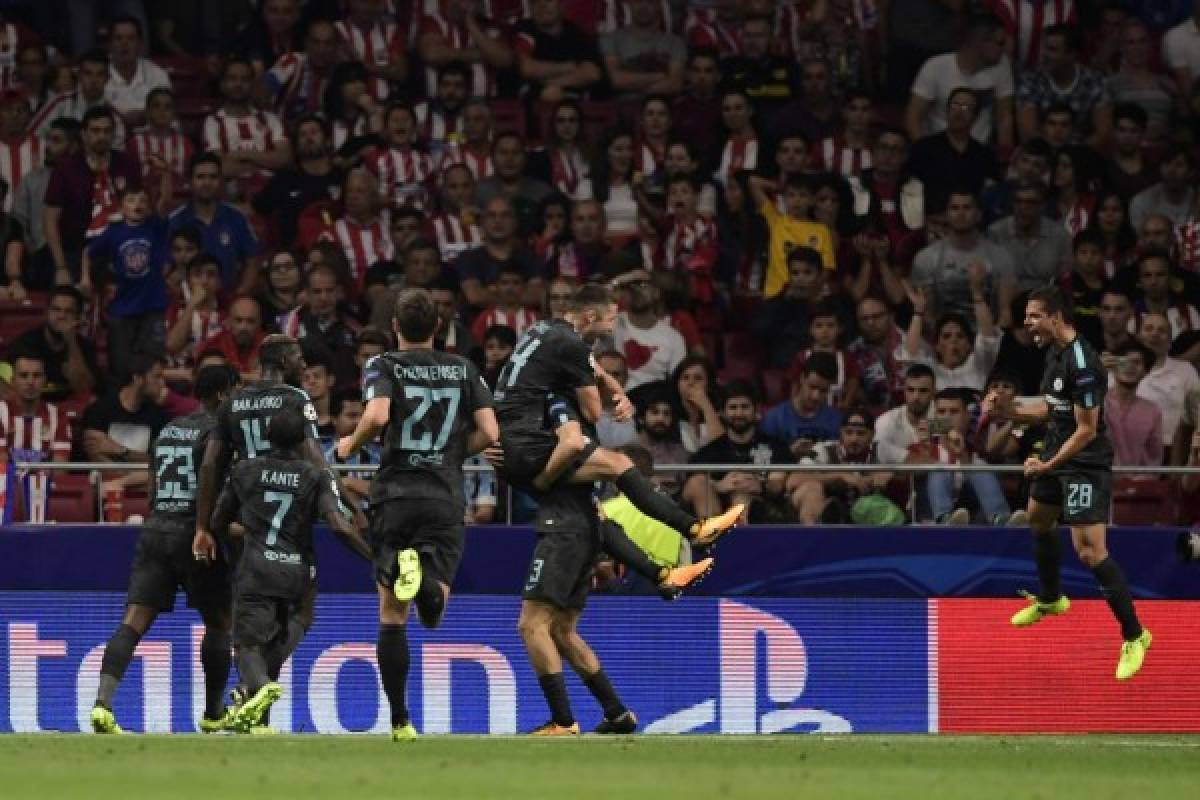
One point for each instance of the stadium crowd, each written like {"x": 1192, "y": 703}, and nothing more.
{"x": 822, "y": 217}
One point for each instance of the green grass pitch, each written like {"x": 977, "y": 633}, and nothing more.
{"x": 796, "y": 767}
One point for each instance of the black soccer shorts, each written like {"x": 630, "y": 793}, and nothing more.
{"x": 526, "y": 453}
{"x": 163, "y": 562}
{"x": 560, "y": 572}
{"x": 259, "y": 620}
{"x": 1084, "y": 494}
{"x": 432, "y": 528}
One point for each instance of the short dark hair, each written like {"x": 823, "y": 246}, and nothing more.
{"x": 373, "y": 336}
{"x": 416, "y": 315}
{"x": 126, "y": 19}
{"x": 213, "y": 381}
{"x": 274, "y": 349}
{"x": 1131, "y": 112}
{"x": 342, "y": 396}
{"x": 70, "y": 292}
{"x": 102, "y": 111}
{"x": 739, "y": 388}
{"x": 234, "y": 60}
{"x": 823, "y": 309}
{"x": 1132, "y": 345}
{"x": 967, "y": 90}
{"x": 94, "y": 56}
{"x": 953, "y": 318}
{"x": 316, "y": 354}
{"x": 459, "y": 68}
{"x": 591, "y": 295}
{"x": 70, "y": 127}
{"x": 1069, "y": 33}
{"x": 703, "y": 52}
{"x": 920, "y": 371}
{"x": 1085, "y": 237}
{"x": 502, "y": 334}
{"x": 140, "y": 363}
{"x": 1005, "y": 374}
{"x": 868, "y": 421}
{"x": 201, "y": 260}
{"x": 160, "y": 91}
{"x": 285, "y": 430}
{"x": 822, "y": 364}
{"x": 202, "y": 158}
{"x": 952, "y": 393}
{"x": 1052, "y": 299}
{"x": 26, "y": 355}
{"x": 805, "y": 255}
{"x": 1153, "y": 254}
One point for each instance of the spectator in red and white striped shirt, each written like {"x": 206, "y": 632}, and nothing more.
{"x": 376, "y": 42}
{"x": 162, "y": 138}
{"x": 508, "y": 310}
{"x": 403, "y": 170}
{"x": 363, "y": 231}
{"x": 32, "y": 429}
{"x": 297, "y": 81}
{"x": 20, "y": 152}
{"x": 475, "y": 149}
{"x": 199, "y": 318}
{"x": 849, "y": 152}
{"x": 440, "y": 119}
{"x": 456, "y": 228}
{"x": 457, "y": 32}
{"x": 251, "y": 143}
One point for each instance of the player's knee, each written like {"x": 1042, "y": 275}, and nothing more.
{"x": 1091, "y": 556}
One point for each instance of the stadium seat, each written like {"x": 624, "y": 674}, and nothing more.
{"x": 508, "y": 116}
{"x": 775, "y": 385}
{"x": 16, "y": 318}
{"x": 72, "y": 499}
{"x": 1144, "y": 502}
{"x": 135, "y": 501}
{"x": 741, "y": 350}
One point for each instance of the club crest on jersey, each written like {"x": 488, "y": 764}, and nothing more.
{"x": 1058, "y": 384}
{"x": 225, "y": 239}
{"x": 310, "y": 412}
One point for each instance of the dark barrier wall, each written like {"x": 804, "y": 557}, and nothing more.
{"x": 907, "y": 562}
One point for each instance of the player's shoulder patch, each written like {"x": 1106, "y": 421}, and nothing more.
{"x": 310, "y": 412}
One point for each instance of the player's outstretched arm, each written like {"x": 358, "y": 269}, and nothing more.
{"x": 329, "y": 504}
{"x": 1025, "y": 410}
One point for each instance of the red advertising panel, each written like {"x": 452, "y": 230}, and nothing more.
{"x": 1058, "y": 676}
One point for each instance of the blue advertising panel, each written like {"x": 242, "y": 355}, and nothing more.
{"x": 782, "y": 561}
{"x": 701, "y": 665}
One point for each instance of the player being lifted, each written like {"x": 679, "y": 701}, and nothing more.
{"x": 275, "y": 498}
{"x": 553, "y": 359}
{"x": 434, "y": 410}
{"x": 1073, "y": 478}
{"x": 163, "y": 560}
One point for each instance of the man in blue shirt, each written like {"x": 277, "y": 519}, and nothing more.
{"x": 806, "y": 418}
{"x": 225, "y": 232}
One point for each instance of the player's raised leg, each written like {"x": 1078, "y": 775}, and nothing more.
{"x": 117, "y": 655}
{"x": 1047, "y": 554}
{"x": 391, "y": 651}
{"x": 1090, "y": 544}
{"x": 617, "y": 716}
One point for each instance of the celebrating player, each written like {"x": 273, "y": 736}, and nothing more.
{"x": 275, "y": 498}
{"x": 442, "y": 413}
{"x": 554, "y": 358}
{"x": 163, "y": 561}
{"x": 1073, "y": 477}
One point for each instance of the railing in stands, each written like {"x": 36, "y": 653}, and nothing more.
{"x": 912, "y": 471}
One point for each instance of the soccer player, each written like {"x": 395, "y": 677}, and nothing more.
{"x": 434, "y": 410}
{"x": 1073, "y": 477}
{"x": 163, "y": 561}
{"x": 554, "y": 358}
{"x": 240, "y": 434}
{"x": 274, "y": 498}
